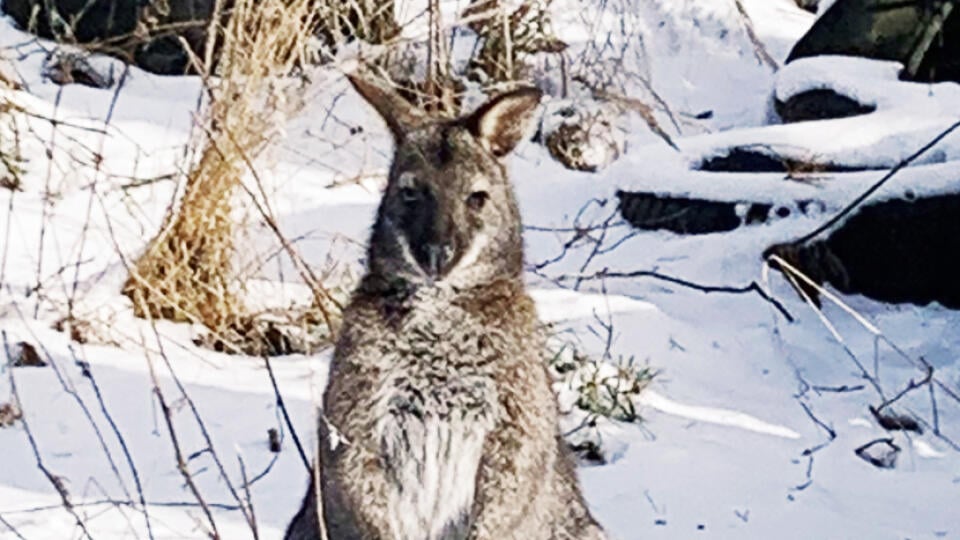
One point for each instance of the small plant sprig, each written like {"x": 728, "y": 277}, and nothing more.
{"x": 600, "y": 386}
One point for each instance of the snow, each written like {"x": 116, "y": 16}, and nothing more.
{"x": 730, "y": 443}
{"x": 908, "y": 116}
{"x": 711, "y": 415}
{"x": 692, "y": 52}
{"x": 866, "y": 81}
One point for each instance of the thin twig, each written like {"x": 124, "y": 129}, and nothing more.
{"x": 181, "y": 463}
{"x": 872, "y": 189}
{"x": 11, "y": 528}
{"x": 72, "y": 392}
{"x": 247, "y": 496}
{"x": 306, "y": 273}
{"x": 88, "y": 373}
{"x": 752, "y": 288}
{"x": 127, "y": 503}
{"x": 47, "y": 199}
{"x": 810, "y": 452}
{"x": 758, "y": 47}
{"x": 199, "y": 421}
{"x": 286, "y": 416}
{"x": 56, "y": 481}
{"x": 911, "y": 386}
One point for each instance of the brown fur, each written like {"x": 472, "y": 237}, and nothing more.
{"x": 439, "y": 419}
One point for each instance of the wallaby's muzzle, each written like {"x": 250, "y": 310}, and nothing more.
{"x": 438, "y": 258}
{"x": 431, "y": 234}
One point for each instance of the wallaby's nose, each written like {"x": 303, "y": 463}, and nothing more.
{"x": 438, "y": 257}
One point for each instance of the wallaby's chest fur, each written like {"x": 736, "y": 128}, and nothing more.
{"x": 435, "y": 403}
{"x": 431, "y": 365}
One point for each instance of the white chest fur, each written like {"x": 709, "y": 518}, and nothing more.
{"x": 433, "y": 467}
{"x": 436, "y": 404}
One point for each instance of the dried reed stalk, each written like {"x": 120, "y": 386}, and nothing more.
{"x": 185, "y": 272}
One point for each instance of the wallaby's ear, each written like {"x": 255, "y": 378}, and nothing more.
{"x": 399, "y": 114}
{"x": 500, "y": 123}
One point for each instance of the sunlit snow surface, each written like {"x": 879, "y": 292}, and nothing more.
{"x": 724, "y": 449}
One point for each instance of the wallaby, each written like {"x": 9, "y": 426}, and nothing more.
{"x": 439, "y": 421}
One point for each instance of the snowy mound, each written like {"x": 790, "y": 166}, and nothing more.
{"x": 819, "y": 165}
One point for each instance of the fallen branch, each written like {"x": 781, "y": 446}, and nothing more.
{"x": 753, "y": 287}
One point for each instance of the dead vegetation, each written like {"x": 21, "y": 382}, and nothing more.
{"x": 185, "y": 274}
{"x": 9, "y": 414}
{"x": 507, "y": 36}
{"x": 10, "y": 161}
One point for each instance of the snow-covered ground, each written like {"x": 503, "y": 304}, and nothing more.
{"x": 749, "y": 431}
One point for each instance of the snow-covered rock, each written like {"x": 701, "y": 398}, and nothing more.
{"x": 582, "y": 135}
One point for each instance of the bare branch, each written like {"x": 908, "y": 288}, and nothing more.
{"x": 286, "y": 415}
{"x": 88, "y": 373}
{"x": 56, "y": 481}
{"x": 175, "y": 442}
{"x": 11, "y": 528}
{"x": 872, "y": 189}
{"x": 752, "y": 288}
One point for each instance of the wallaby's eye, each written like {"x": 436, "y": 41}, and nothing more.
{"x": 477, "y": 199}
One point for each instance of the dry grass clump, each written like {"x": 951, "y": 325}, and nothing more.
{"x": 369, "y": 20}
{"x": 185, "y": 272}
{"x": 507, "y": 35}
{"x": 10, "y": 161}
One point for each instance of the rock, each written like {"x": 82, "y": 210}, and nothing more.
{"x": 581, "y": 135}
{"x": 820, "y": 104}
{"x": 892, "y": 421}
{"x": 923, "y": 36}
{"x": 897, "y": 251}
{"x": 809, "y": 5}
{"x": 93, "y": 19}
{"x": 26, "y": 356}
{"x": 273, "y": 440}
{"x": 143, "y": 32}
{"x": 151, "y": 33}
{"x": 73, "y": 68}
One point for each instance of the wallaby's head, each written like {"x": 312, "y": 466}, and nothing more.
{"x": 449, "y": 214}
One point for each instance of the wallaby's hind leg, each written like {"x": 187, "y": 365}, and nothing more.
{"x": 577, "y": 523}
